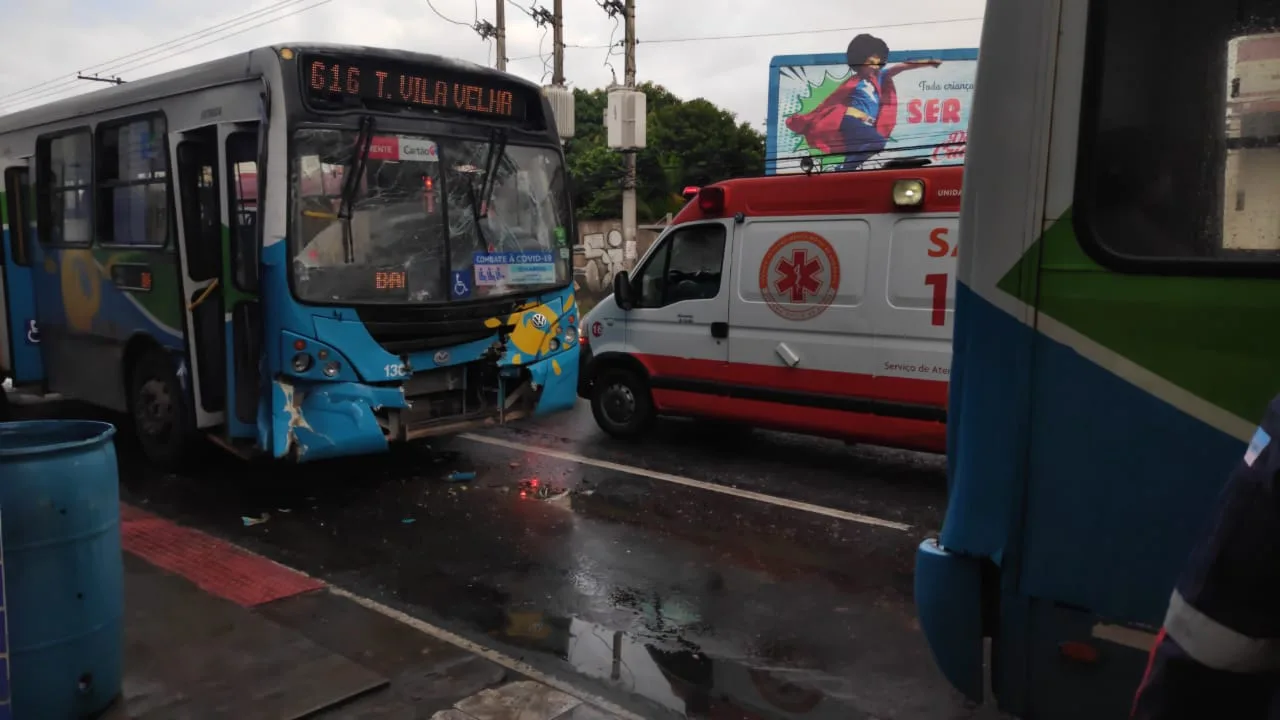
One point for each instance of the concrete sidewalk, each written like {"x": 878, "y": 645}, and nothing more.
{"x": 213, "y": 631}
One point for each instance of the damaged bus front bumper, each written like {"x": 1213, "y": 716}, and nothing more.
{"x": 320, "y": 420}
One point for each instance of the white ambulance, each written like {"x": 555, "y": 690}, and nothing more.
{"x": 818, "y": 304}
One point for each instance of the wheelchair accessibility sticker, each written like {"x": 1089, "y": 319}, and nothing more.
{"x": 460, "y": 285}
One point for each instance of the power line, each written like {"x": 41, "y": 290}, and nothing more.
{"x": 780, "y": 33}
{"x": 165, "y": 51}
{"x": 43, "y": 87}
{"x": 448, "y": 19}
{"x": 785, "y": 33}
{"x": 568, "y": 45}
{"x": 526, "y": 11}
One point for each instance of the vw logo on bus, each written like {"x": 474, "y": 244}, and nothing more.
{"x": 441, "y": 357}
{"x": 539, "y": 321}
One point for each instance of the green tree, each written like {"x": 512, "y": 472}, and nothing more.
{"x": 689, "y": 143}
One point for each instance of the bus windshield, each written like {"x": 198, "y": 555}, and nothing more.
{"x": 431, "y": 219}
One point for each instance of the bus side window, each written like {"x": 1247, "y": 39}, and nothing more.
{"x": 65, "y": 198}
{"x": 1169, "y": 175}
{"x": 17, "y": 183}
{"x": 132, "y": 178}
{"x": 203, "y": 225}
{"x": 245, "y": 188}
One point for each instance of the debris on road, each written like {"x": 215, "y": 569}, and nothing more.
{"x": 251, "y": 521}
{"x": 460, "y": 476}
{"x": 538, "y": 490}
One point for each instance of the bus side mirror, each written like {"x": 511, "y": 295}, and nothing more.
{"x": 622, "y": 291}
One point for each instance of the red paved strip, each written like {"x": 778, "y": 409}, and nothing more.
{"x": 213, "y": 565}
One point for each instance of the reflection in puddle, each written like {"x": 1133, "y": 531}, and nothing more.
{"x": 686, "y": 681}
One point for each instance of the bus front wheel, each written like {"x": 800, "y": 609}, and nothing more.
{"x": 158, "y": 406}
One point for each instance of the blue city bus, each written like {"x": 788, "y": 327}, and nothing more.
{"x": 298, "y": 252}
{"x": 1115, "y": 341}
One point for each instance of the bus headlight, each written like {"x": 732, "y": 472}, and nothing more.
{"x": 302, "y": 362}
{"x": 332, "y": 368}
{"x": 553, "y": 345}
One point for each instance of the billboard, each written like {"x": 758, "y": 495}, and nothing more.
{"x": 908, "y": 104}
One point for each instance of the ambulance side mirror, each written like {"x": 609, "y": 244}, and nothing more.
{"x": 622, "y": 291}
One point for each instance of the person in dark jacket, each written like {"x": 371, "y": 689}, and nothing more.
{"x": 1218, "y": 652}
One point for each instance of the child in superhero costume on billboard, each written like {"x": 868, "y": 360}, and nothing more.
{"x": 858, "y": 118}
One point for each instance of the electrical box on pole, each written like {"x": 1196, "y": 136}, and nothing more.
{"x": 625, "y": 119}
{"x": 562, "y": 107}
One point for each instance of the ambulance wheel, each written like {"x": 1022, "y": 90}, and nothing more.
{"x": 621, "y": 403}
{"x": 158, "y": 407}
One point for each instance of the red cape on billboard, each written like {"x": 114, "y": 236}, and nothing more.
{"x": 820, "y": 127}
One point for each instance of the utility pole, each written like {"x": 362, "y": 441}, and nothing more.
{"x": 560, "y": 97}
{"x": 501, "y": 45}
{"x": 557, "y": 43}
{"x": 629, "y": 157}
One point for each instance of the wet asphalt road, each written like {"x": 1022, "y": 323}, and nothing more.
{"x": 668, "y": 599}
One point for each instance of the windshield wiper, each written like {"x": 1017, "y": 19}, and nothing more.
{"x": 498, "y": 143}
{"x": 351, "y": 183}
{"x": 497, "y": 148}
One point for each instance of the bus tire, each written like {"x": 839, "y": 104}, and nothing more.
{"x": 621, "y": 403}
{"x": 158, "y": 408}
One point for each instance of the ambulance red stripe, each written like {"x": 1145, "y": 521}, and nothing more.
{"x": 893, "y": 411}
{"x": 932, "y": 393}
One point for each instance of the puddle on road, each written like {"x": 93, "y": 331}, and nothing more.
{"x": 685, "y": 681}
{"x": 659, "y": 657}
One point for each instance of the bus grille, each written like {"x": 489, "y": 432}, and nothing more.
{"x": 400, "y": 330}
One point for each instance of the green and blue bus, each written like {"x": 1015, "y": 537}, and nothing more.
{"x": 1115, "y": 341}
{"x": 299, "y": 252}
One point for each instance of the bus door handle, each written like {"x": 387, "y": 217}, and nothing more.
{"x": 719, "y": 330}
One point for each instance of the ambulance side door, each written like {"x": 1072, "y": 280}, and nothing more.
{"x": 679, "y": 323}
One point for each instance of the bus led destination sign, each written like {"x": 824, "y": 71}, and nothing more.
{"x": 373, "y": 80}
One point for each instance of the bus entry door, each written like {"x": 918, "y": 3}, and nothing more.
{"x": 217, "y": 192}
{"x": 19, "y": 334}
{"x": 240, "y": 146}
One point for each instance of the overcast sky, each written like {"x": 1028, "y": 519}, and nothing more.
{"x": 55, "y": 39}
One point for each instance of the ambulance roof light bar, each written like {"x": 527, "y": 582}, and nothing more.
{"x": 711, "y": 200}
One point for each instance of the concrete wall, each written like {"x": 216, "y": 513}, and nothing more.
{"x": 602, "y": 254}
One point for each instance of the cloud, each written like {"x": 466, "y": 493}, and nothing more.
{"x": 63, "y": 37}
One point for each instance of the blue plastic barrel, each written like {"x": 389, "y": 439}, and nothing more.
{"x": 63, "y": 574}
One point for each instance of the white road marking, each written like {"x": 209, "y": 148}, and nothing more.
{"x": 487, "y": 653}
{"x": 689, "y": 482}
